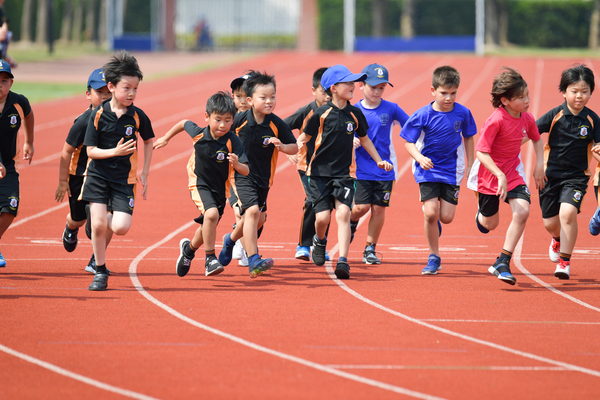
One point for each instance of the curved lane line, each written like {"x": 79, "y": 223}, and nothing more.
{"x": 320, "y": 367}
{"x": 75, "y": 376}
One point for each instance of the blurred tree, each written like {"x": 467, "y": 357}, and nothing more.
{"x": 379, "y": 26}
{"x": 26, "y": 20}
{"x": 67, "y": 18}
{"x": 42, "y": 19}
{"x": 407, "y": 23}
{"x": 594, "y": 26}
{"x": 496, "y": 22}
{"x": 76, "y": 33}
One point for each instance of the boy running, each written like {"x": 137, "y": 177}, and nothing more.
{"x": 438, "y": 136}
{"x": 217, "y": 151}
{"x": 111, "y": 175}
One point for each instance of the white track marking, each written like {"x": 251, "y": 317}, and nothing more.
{"x": 75, "y": 376}
{"x": 450, "y": 367}
{"x": 320, "y": 367}
{"x": 486, "y": 321}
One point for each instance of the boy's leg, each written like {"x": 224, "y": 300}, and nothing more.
{"x": 520, "y": 214}
{"x": 251, "y": 219}
{"x": 99, "y": 223}
{"x": 5, "y": 220}
{"x": 119, "y": 222}
{"x": 568, "y": 227}
{"x": 209, "y": 232}
{"x": 342, "y": 217}
{"x": 431, "y": 215}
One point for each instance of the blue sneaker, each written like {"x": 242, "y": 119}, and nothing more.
{"x": 226, "y": 253}
{"x": 326, "y": 256}
{"x": 440, "y": 227}
{"x": 2, "y": 261}
{"x": 595, "y": 223}
{"x": 433, "y": 265}
{"x": 481, "y": 228}
{"x": 257, "y": 265}
{"x": 502, "y": 270}
{"x": 303, "y": 253}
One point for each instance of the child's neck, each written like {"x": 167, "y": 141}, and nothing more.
{"x": 117, "y": 107}
{"x": 512, "y": 113}
{"x": 367, "y": 104}
{"x": 339, "y": 102}
{"x": 258, "y": 117}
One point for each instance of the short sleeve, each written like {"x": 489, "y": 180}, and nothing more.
{"x": 237, "y": 147}
{"x": 470, "y": 128}
{"x": 490, "y": 130}
{"x": 192, "y": 128}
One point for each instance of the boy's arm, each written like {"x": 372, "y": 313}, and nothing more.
{"x": 368, "y": 145}
{"x": 487, "y": 161}
{"x": 424, "y": 162}
{"x": 241, "y": 168}
{"x": 539, "y": 174}
{"x": 63, "y": 173}
{"x": 148, "y": 147}
{"x": 177, "y": 128}
{"x": 289, "y": 148}
{"x": 470, "y": 150}
{"x": 122, "y": 149}
{"x": 28, "y": 145}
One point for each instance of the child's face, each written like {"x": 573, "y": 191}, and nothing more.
{"x": 445, "y": 97}
{"x": 263, "y": 99}
{"x": 518, "y": 105}
{"x": 343, "y": 90}
{"x": 577, "y": 96}
{"x": 5, "y": 84}
{"x": 97, "y": 96}
{"x": 373, "y": 94}
{"x": 125, "y": 91}
{"x": 321, "y": 95}
{"x": 239, "y": 98}
{"x": 219, "y": 124}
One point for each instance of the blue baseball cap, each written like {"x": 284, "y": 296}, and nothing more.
{"x": 376, "y": 75}
{"x": 96, "y": 79}
{"x": 339, "y": 73}
{"x": 5, "y": 67}
{"x": 238, "y": 82}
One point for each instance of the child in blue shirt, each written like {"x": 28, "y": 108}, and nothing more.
{"x": 438, "y": 136}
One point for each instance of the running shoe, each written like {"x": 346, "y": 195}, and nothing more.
{"x": 502, "y": 270}
{"x": 91, "y": 267}
{"x": 226, "y": 253}
{"x": 69, "y": 238}
{"x": 353, "y": 226}
{"x": 481, "y": 228}
{"x": 342, "y": 270}
{"x": 440, "y": 227}
{"x": 184, "y": 262}
{"x": 2, "y": 261}
{"x": 303, "y": 253}
{"x": 595, "y": 223}
{"x": 244, "y": 260}
{"x": 257, "y": 265}
{"x": 554, "y": 250}
{"x": 318, "y": 252}
{"x": 369, "y": 256}
{"x": 213, "y": 266}
{"x": 100, "y": 282}
{"x": 563, "y": 269}
{"x": 433, "y": 265}
{"x": 238, "y": 250}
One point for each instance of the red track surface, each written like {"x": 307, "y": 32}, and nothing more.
{"x": 295, "y": 332}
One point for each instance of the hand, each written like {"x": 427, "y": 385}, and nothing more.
{"x": 28, "y": 152}
{"x": 502, "y": 187}
{"x": 2, "y": 171}
{"x": 385, "y": 165}
{"x": 540, "y": 177}
{"x": 233, "y": 159}
{"x": 293, "y": 159}
{"x": 63, "y": 188}
{"x": 425, "y": 163}
{"x": 144, "y": 182}
{"x": 161, "y": 142}
{"x": 357, "y": 143}
{"x": 596, "y": 149}
{"x": 125, "y": 148}
{"x": 275, "y": 142}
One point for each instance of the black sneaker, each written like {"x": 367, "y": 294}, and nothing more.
{"x": 213, "y": 266}
{"x": 69, "y": 238}
{"x": 353, "y": 226}
{"x": 91, "y": 267}
{"x": 318, "y": 251}
{"x": 183, "y": 261}
{"x": 342, "y": 270}
{"x": 88, "y": 223}
{"x": 100, "y": 282}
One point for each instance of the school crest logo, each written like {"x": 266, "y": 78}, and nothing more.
{"x": 129, "y": 130}
{"x": 386, "y": 196}
{"x": 583, "y": 131}
{"x": 14, "y": 203}
{"x": 266, "y": 140}
{"x": 524, "y": 132}
{"x": 384, "y": 119}
{"x": 221, "y": 155}
{"x": 456, "y": 193}
{"x": 379, "y": 72}
{"x": 131, "y": 203}
{"x": 350, "y": 127}
{"x": 577, "y": 196}
{"x": 527, "y": 191}
{"x": 13, "y": 121}
{"x": 457, "y": 126}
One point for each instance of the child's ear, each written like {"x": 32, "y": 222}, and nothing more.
{"x": 206, "y": 116}
{"x": 111, "y": 87}
{"x": 88, "y": 94}
{"x": 504, "y": 101}
{"x": 314, "y": 91}
{"x": 432, "y": 91}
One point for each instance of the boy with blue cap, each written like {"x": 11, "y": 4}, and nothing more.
{"x": 374, "y": 185}
{"x": 73, "y": 162}
{"x": 16, "y": 111}
{"x": 332, "y": 167}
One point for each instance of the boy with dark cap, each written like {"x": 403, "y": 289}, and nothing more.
{"x": 332, "y": 167}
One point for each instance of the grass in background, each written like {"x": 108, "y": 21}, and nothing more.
{"x": 36, "y": 92}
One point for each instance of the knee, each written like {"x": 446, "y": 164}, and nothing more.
{"x": 521, "y": 215}
{"x": 211, "y": 216}
{"x": 431, "y": 214}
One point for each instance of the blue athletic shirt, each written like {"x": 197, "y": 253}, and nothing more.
{"x": 381, "y": 125}
{"x": 439, "y": 136}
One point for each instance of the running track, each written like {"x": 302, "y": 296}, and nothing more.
{"x": 295, "y": 332}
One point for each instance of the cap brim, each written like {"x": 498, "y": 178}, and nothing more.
{"x": 97, "y": 86}
{"x": 375, "y": 82}
{"x": 355, "y": 78}
{"x": 237, "y": 82}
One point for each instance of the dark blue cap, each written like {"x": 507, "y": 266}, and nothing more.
{"x": 5, "y": 67}
{"x": 96, "y": 79}
{"x": 376, "y": 75}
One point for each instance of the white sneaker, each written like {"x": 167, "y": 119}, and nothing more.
{"x": 563, "y": 270}
{"x": 554, "y": 250}
{"x": 244, "y": 260}
{"x": 238, "y": 251}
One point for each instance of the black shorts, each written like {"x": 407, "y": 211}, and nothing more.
{"x": 233, "y": 200}
{"x": 439, "y": 190}
{"x": 305, "y": 184}
{"x": 76, "y": 206}
{"x": 373, "y": 192}
{"x": 489, "y": 204}
{"x": 9, "y": 193}
{"x": 205, "y": 199}
{"x": 120, "y": 197}
{"x": 325, "y": 190}
{"x": 560, "y": 190}
{"x": 250, "y": 194}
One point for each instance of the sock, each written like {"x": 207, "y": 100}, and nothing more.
{"x": 71, "y": 230}
{"x": 188, "y": 251}
{"x": 343, "y": 259}
{"x": 323, "y": 241}
{"x": 370, "y": 244}
{"x": 565, "y": 257}
{"x": 209, "y": 253}
{"x": 505, "y": 256}
{"x": 556, "y": 238}
{"x": 228, "y": 241}
{"x": 192, "y": 248}
{"x": 101, "y": 268}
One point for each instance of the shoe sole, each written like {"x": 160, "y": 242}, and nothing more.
{"x": 429, "y": 272}
{"x": 341, "y": 273}
{"x": 303, "y": 257}
{"x": 99, "y": 286}
{"x": 265, "y": 265}
{"x": 494, "y": 272}
{"x": 365, "y": 261}
{"x": 562, "y": 275}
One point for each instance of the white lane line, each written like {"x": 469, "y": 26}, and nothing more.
{"x": 450, "y": 367}
{"x": 485, "y": 321}
{"x": 320, "y": 367}
{"x": 75, "y": 376}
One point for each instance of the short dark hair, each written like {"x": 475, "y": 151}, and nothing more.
{"x": 120, "y": 65}
{"x": 221, "y": 103}
{"x": 317, "y": 77}
{"x": 261, "y": 78}
{"x": 578, "y": 72}
{"x": 445, "y": 76}
{"x": 508, "y": 84}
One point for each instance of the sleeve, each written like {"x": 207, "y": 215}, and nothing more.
{"x": 411, "y": 131}
{"x": 296, "y": 120}
{"x": 24, "y": 103}
{"x": 363, "y": 125}
{"x": 91, "y": 133}
{"x": 596, "y": 129}
{"x": 312, "y": 125}
{"x": 544, "y": 122}
{"x": 192, "y": 128}
{"x": 470, "y": 128}
{"x": 488, "y": 134}
{"x": 532, "y": 130}
{"x": 285, "y": 133}
{"x": 238, "y": 148}
{"x": 77, "y": 131}
{"x": 238, "y": 120}
{"x": 145, "y": 130}
{"x": 400, "y": 115}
